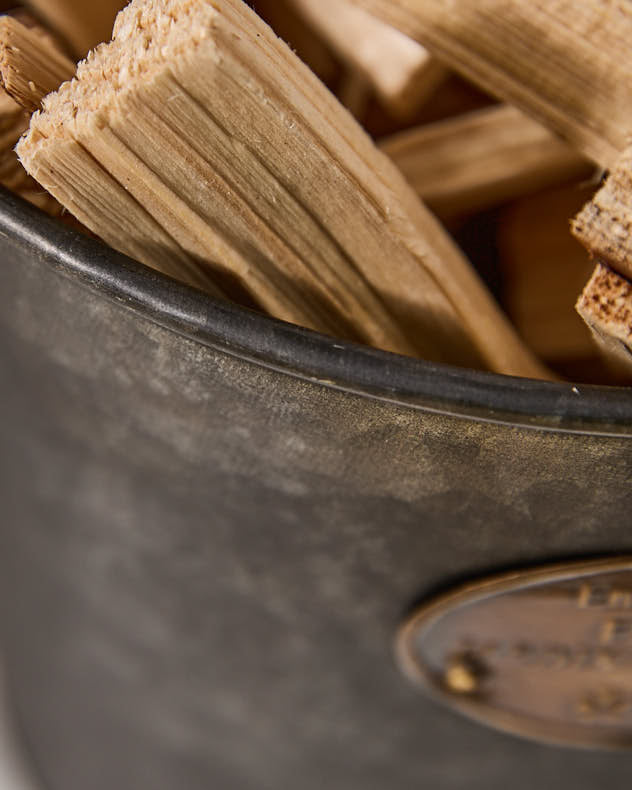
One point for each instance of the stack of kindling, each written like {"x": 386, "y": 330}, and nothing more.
{"x": 197, "y": 142}
{"x": 569, "y": 66}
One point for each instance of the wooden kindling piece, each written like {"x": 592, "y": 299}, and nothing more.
{"x": 13, "y": 123}
{"x": 604, "y": 226}
{"x": 401, "y": 71}
{"x": 565, "y": 63}
{"x": 606, "y": 306}
{"x": 198, "y": 143}
{"x": 31, "y": 66}
{"x": 476, "y": 160}
{"x": 568, "y": 65}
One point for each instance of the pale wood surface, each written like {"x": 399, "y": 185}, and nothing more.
{"x": 82, "y": 23}
{"x": 30, "y": 65}
{"x": 565, "y": 63}
{"x": 400, "y": 70}
{"x": 476, "y": 160}
{"x": 207, "y": 149}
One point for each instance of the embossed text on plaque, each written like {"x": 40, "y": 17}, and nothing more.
{"x": 546, "y": 654}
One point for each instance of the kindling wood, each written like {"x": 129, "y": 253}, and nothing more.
{"x": 31, "y": 66}
{"x": 568, "y": 65}
{"x": 13, "y": 123}
{"x": 565, "y": 63}
{"x": 606, "y": 306}
{"x": 473, "y": 161}
{"x": 198, "y": 143}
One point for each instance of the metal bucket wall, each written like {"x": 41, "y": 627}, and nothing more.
{"x": 213, "y": 524}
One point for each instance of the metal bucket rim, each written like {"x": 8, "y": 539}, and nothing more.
{"x": 307, "y": 354}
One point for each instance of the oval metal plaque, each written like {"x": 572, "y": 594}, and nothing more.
{"x": 546, "y": 654}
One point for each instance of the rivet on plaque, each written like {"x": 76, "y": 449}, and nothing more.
{"x": 544, "y": 653}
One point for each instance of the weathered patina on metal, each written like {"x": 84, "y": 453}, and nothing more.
{"x": 213, "y": 524}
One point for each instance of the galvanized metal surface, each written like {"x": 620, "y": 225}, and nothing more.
{"x": 214, "y": 525}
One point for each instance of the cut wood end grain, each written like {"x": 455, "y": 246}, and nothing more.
{"x": 606, "y": 306}
{"x": 604, "y": 225}
{"x": 145, "y": 42}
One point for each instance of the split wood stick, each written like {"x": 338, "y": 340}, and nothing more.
{"x": 30, "y": 65}
{"x": 606, "y": 306}
{"x": 82, "y": 23}
{"x": 473, "y": 161}
{"x": 401, "y": 71}
{"x": 198, "y": 139}
{"x": 565, "y": 63}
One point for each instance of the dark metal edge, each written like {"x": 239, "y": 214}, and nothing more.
{"x": 309, "y": 355}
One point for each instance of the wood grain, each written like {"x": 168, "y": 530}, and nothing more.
{"x": 606, "y": 306}
{"x": 401, "y": 71}
{"x": 565, "y": 63}
{"x": 31, "y": 66}
{"x": 476, "y": 160}
{"x": 14, "y": 122}
{"x": 199, "y": 143}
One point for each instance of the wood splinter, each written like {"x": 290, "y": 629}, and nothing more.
{"x": 198, "y": 143}
{"x": 31, "y": 66}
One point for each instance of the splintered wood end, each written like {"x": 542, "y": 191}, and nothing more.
{"x": 604, "y": 225}
{"x": 145, "y": 40}
{"x": 606, "y": 306}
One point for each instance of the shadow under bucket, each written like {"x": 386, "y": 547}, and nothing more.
{"x": 214, "y": 523}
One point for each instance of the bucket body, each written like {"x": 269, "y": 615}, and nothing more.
{"x": 214, "y": 523}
